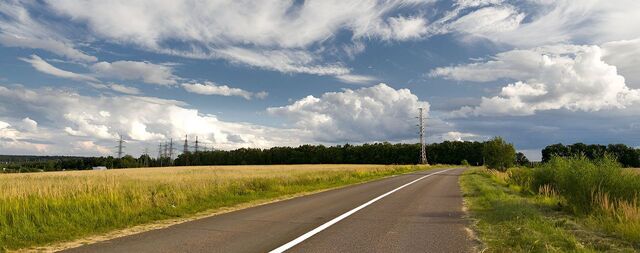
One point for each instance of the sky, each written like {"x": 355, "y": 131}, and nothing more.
{"x": 76, "y": 75}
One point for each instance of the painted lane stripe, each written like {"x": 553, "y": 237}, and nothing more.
{"x": 335, "y": 220}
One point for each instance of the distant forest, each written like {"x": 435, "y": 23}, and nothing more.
{"x": 378, "y": 153}
{"x": 448, "y": 152}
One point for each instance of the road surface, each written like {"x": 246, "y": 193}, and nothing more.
{"x": 421, "y": 212}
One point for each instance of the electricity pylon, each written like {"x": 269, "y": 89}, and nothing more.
{"x": 120, "y": 146}
{"x": 423, "y": 149}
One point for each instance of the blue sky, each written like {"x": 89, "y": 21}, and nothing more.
{"x": 76, "y": 74}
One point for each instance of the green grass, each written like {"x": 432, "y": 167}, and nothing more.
{"x": 44, "y": 208}
{"x": 508, "y": 218}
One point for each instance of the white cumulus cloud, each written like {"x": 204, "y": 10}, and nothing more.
{"x": 548, "y": 78}
{"x": 372, "y": 113}
{"x": 625, "y": 55}
{"x": 143, "y": 121}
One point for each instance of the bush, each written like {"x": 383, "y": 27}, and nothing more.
{"x": 465, "y": 163}
{"x": 520, "y": 176}
{"x": 498, "y": 154}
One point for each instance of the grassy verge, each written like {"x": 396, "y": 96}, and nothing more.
{"x": 509, "y": 219}
{"x": 43, "y": 208}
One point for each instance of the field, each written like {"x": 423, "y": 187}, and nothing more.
{"x": 44, "y": 208}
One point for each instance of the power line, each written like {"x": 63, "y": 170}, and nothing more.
{"x": 423, "y": 149}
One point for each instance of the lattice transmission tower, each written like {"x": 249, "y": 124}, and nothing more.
{"x": 120, "y": 146}
{"x": 423, "y": 149}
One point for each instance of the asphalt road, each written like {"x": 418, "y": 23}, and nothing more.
{"x": 425, "y": 216}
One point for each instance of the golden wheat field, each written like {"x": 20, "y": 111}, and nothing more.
{"x": 43, "y": 208}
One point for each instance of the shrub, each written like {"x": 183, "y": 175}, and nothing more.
{"x": 498, "y": 154}
{"x": 465, "y": 163}
{"x": 520, "y": 176}
{"x": 579, "y": 180}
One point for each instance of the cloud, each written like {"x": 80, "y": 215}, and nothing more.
{"x": 458, "y": 136}
{"x": 117, "y": 87}
{"x": 272, "y": 35}
{"x": 261, "y": 95}
{"x": 356, "y": 79}
{"x": 407, "y": 28}
{"x": 625, "y": 55}
{"x": 124, "y": 89}
{"x": 377, "y": 113}
{"x": 286, "y": 61}
{"x": 14, "y": 141}
{"x": 6, "y": 131}
{"x": 148, "y": 72}
{"x": 210, "y": 88}
{"x": 80, "y": 146}
{"x": 538, "y": 23}
{"x": 136, "y": 70}
{"x": 125, "y": 70}
{"x": 29, "y": 125}
{"x": 19, "y": 29}
{"x": 549, "y": 78}
{"x": 488, "y": 21}
{"x": 72, "y": 118}
{"x": 44, "y": 67}
{"x": 283, "y": 24}
{"x": 401, "y": 28}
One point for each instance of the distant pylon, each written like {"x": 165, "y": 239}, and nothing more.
{"x": 161, "y": 151}
{"x": 423, "y": 149}
{"x": 165, "y": 152}
{"x": 196, "y": 150}
{"x": 145, "y": 162}
{"x": 171, "y": 151}
{"x": 186, "y": 145}
{"x": 120, "y": 146}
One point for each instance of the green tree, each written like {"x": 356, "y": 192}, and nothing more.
{"x": 521, "y": 159}
{"x": 498, "y": 154}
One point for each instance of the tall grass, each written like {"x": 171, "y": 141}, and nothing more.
{"x": 509, "y": 222}
{"x": 580, "y": 181}
{"x": 42, "y": 208}
{"x": 598, "y": 190}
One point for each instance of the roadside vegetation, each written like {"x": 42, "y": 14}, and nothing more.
{"x": 43, "y": 208}
{"x": 570, "y": 204}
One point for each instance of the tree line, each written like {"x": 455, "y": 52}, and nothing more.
{"x": 448, "y": 152}
{"x": 495, "y": 153}
{"x": 625, "y": 155}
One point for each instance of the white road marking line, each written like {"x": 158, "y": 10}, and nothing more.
{"x": 335, "y": 220}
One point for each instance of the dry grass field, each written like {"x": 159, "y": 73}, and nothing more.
{"x": 43, "y": 208}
